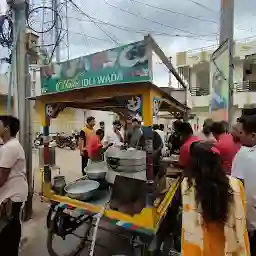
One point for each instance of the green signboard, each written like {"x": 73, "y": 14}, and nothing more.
{"x": 125, "y": 64}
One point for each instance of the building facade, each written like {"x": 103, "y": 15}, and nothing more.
{"x": 194, "y": 66}
{"x": 67, "y": 121}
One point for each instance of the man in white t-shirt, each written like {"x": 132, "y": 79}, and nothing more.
{"x": 237, "y": 169}
{"x": 160, "y": 130}
{"x": 13, "y": 184}
{"x": 248, "y": 164}
{"x": 115, "y": 135}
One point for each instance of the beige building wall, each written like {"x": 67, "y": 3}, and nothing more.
{"x": 66, "y": 121}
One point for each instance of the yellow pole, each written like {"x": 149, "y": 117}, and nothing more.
{"x": 147, "y": 108}
{"x": 147, "y": 116}
{"x": 45, "y": 120}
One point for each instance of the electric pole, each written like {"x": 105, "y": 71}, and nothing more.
{"x": 227, "y": 33}
{"x": 22, "y": 89}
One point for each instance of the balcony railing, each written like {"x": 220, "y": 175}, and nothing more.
{"x": 199, "y": 91}
{"x": 245, "y": 86}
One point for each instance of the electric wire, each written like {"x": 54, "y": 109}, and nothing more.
{"x": 144, "y": 31}
{"x": 108, "y": 34}
{"x": 203, "y": 6}
{"x": 217, "y": 12}
{"x": 174, "y": 12}
{"x": 51, "y": 27}
{"x": 150, "y": 20}
{"x": 6, "y": 33}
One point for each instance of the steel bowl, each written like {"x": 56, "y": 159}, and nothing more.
{"x": 82, "y": 190}
{"x": 96, "y": 170}
{"x": 96, "y": 174}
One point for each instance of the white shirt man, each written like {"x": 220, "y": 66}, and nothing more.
{"x": 249, "y": 166}
{"x": 238, "y": 169}
{"x": 163, "y": 136}
{"x": 115, "y": 135}
{"x": 112, "y": 137}
{"x": 247, "y": 162}
{"x": 12, "y": 157}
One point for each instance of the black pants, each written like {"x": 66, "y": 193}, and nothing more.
{"x": 85, "y": 159}
{"x": 11, "y": 234}
{"x": 172, "y": 223}
{"x": 253, "y": 243}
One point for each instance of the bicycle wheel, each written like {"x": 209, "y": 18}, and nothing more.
{"x": 67, "y": 246}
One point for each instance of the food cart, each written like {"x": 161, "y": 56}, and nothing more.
{"x": 121, "y": 81}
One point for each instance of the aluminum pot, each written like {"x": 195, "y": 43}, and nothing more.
{"x": 82, "y": 189}
{"x": 96, "y": 175}
{"x": 96, "y": 170}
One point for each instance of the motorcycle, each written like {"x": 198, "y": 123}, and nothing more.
{"x": 38, "y": 141}
{"x": 75, "y": 134}
{"x": 63, "y": 141}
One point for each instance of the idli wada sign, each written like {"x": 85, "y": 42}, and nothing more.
{"x": 125, "y": 64}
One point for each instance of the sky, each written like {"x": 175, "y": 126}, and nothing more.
{"x": 175, "y": 25}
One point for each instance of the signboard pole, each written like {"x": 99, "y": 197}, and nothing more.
{"x": 227, "y": 33}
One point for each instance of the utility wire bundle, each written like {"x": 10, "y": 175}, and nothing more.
{"x": 6, "y": 31}
{"x": 37, "y": 12}
{"x": 6, "y": 35}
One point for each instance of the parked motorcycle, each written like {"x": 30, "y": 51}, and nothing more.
{"x": 75, "y": 135}
{"x": 62, "y": 141}
{"x": 38, "y": 141}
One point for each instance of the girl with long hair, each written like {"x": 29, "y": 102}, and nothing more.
{"x": 213, "y": 215}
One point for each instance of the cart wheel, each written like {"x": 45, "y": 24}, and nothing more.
{"x": 66, "y": 243}
{"x": 51, "y": 214}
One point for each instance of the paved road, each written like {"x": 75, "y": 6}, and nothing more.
{"x": 35, "y": 231}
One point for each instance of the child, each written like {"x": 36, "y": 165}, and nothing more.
{"x": 95, "y": 148}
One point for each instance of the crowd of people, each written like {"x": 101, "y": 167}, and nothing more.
{"x": 218, "y": 192}
{"x": 93, "y": 143}
{"x": 214, "y": 211}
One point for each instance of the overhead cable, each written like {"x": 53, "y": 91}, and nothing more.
{"x": 55, "y": 16}
{"x": 108, "y": 34}
{"x": 6, "y": 31}
{"x": 150, "y": 20}
{"x": 145, "y": 31}
{"x": 203, "y": 6}
{"x": 174, "y": 12}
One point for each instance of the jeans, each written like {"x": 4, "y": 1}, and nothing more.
{"x": 85, "y": 159}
